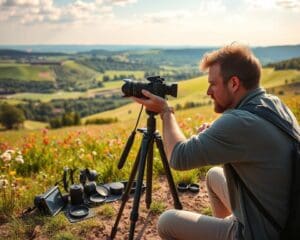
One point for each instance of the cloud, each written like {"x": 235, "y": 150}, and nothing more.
{"x": 23, "y": 3}
{"x": 121, "y": 2}
{"x": 289, "y": 4}
{"x": 166, "y": 16}
{"x": 274, "y": 4}
{"x": 45, "y": 11}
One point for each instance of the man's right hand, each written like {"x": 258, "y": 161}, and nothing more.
{"x": 153, "y": 103}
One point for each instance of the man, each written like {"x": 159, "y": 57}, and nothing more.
{"x": 258, "y": 151}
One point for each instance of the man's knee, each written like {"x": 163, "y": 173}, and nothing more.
{"x": 213, "y": 174}
{"x": 165, "y": 222}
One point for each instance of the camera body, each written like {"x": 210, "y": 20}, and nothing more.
{"x": 51, "y": 202}
{"x": 156, "y": 86}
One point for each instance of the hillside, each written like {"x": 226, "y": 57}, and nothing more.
{"x": 82, "y": 70}
{"x": 293, "y": 63}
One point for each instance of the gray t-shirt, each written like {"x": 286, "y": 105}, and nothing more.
{"x": 258, "y": 151}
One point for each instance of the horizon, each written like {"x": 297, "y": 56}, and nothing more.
{"x": 140, "y": 22}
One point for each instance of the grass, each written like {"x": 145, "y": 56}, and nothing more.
{"x": 157, "y": 207}
{"x": 26, "y": 72}
{"x": 46, "y": 97}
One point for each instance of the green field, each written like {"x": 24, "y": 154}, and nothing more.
{"x": 26, "y": 72}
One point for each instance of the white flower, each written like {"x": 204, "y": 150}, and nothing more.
{"x": 6, "y": 156}
{"x": 94, "y": 153}
{"x": 3, "y": 183}
{"x": 81, "y": 150}
{"x": 78, "y": 141}
{"x": 19, "y": 159}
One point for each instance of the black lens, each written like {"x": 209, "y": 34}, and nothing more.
{"x": 171, "y": 90}
{"x": 131, "y": 88}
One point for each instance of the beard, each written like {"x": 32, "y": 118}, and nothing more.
{"x": 218, "y": 108}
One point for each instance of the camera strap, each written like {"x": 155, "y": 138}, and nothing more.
{"x": 27, "y": 211}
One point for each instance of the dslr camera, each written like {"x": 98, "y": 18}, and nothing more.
{"x": 156, "y": 86}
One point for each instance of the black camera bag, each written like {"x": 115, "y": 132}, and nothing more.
{"x": 291, "y": 229}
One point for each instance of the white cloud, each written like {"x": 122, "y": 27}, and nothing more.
{"x": 289, "y": 4}
{"x": 208, "y": 7}
{"x": 274, "y": 4}
{"x": 122, "y": 2}
{"x": 45, "y": 11}
{"x": 11, "y": 3}
{"x": 166, "y": 16}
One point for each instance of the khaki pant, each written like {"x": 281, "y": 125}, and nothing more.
{"x": 180, "y": 224}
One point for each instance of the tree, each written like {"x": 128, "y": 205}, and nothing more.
{"x": 11, "y": 116}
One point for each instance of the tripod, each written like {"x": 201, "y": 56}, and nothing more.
{"x": 145, "y": 154}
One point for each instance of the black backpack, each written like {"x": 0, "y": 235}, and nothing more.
{"x": 291, "y": 229}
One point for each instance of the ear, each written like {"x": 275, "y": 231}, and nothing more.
{"x": 234, "y": 83}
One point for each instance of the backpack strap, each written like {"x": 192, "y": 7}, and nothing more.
{"x": 269, "y": 115}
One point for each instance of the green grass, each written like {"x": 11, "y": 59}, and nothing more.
{"x": 30, "y": 125}
{"x": 26, "y": 72}
{"x": 46, "y": 97}
{"x": 272, "y": 78}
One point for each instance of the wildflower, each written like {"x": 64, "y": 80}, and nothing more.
{"x": 78, "y": 141}
{"x": 94, "y": 153}
{"x": 19, "y": 159}
{"x": 81, "y": 150}
{"x": 3, "y": 183}
{"x": 6, "y": 156}
{"x": 12, "y": 173}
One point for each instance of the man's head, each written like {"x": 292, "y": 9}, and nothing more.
{"x": 232, "y": 71}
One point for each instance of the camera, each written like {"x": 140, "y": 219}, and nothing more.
{"x": 156, "y": 86}
{"x": 51, "y": 202}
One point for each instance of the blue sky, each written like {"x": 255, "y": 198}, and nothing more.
{"x": 150, "y": 22}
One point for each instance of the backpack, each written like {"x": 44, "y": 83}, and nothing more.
{"x": 291, "y": 229}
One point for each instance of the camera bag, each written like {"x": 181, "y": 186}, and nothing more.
{"x": 290, "y": 230}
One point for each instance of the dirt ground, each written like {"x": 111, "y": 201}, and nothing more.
{"x": 145, "y": 228}
{"x": 146, "y": 225}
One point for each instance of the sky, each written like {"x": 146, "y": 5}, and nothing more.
{"x": 150, "y": 22}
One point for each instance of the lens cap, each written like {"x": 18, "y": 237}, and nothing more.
{"x": 79, "y": 211}
{"x": 116, "y": 188}
{"x": 182, "y": 187}
{"x": 101, "y": 190}
{"x": 194, "y": 187}
{"x": 97, "y": 198}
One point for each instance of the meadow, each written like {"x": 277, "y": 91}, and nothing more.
{"x": 32, "y": 160}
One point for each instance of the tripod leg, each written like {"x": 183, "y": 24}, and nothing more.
{"x": 164, "y": 159}
{"x": 149, "y": 175}
{"x": 125, "y": 195}
{"x": 142, "y": 162}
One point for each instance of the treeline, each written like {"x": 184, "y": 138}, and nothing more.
{"x": 293, "y": 63}
{"x": 45, "y": 111}
{"x": 9, "y": 86}
{"x": 113, "y": 63}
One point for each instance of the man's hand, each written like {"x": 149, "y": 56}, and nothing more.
{"x": 153, "y": 103}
